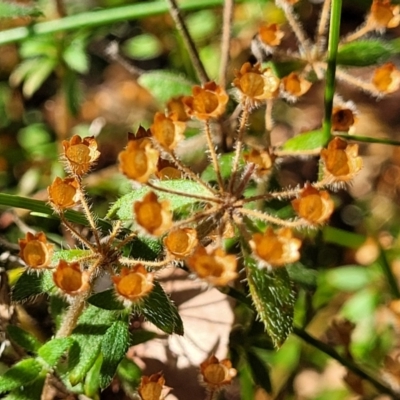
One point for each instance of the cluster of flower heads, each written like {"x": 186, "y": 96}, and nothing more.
{"x": 311, "y": 58}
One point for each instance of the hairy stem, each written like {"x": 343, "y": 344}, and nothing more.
{"x": 273, "y": 220}
{"x": 225, "y": 40}
{"x": 322, "y": 26}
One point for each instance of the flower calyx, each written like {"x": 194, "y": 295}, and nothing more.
{"x": 216, "y": 374}
{"x": 64, "y": 193}
{"x": 35, "y": 251}
{"x": 70, "y": 278}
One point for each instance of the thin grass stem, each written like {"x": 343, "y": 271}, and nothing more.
{"x": 189, "y": 43}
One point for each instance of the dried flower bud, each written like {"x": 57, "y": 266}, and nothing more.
{"x": 151, "y": 387}
{"x": 271, "y": 35}
{"x": 168, "y": 131}
{"x": 256, "y": 84}
{"x": 206, "y": 102}
{"x": 80, "y": 154}
{"x": 383, "y": 15}
{"x": 342, "y": 119}
{"x": 276, "y": 249}
{"x": 341, "y": 161}
{"x": 133, "y": 284}
{"x": 314, "y": 206}
{"x": 216, "y": 374}
{"x": 166, "y": 170}
{"x": 63, "y": 193}
{"x": 176, "y": 106}
{"x": 386, "y": 78}
{"x": 35, "y": 251}
{"x": 180, "y": 243}
{"x": 216, "y": 267}
{"x": 70, "y": 278}
{"x": 152, "y": 215}
{"x": 139, "y": 160}
{"x": 294, "y": 86}
{"x": 263, "y": 160}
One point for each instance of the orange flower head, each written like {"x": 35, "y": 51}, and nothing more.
{"x": 383, "y": 15}
{"x": 35, "y": 251}
{"x": 168, "y": 131}
{"x": 341, "y": 161}
{"x": 139, "y": 161}
{"x": 180, "y": 243}
{"x": 276, "y": 249}
{"x": 80, "y": 154}
{"x": 271, "y": 35}
{"x": 133, "y": 284}
{"x": 177, "y": 107}
{"x": 314, "y": 206}
{"x": 256, "y": 84}
{"x": 166, "y": 170}
{"x": 154, "y": 216}
{"x": 263, "y": 160}
{"x": 342, "y": 119}
{"x": 63, "y": 193}
{"x": 206, "y": 102}
{"x": 70, "y": 278}
{"x": 215, "y": 373}
{"x": 295, "y": 86}
{"x": 216, "y": 267}
{"x": 151, "y": 387}
{"x": 386, "y": 78}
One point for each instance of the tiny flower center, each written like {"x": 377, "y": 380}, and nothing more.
{"x": 206, "y": 102}
{"x": 70, "y": 280}
{"x": 35, "y": 253}
{"x": 131, "y": 285}
{"x": 252, "y": 84}
{"x": 79, "y": 154}
{"x": 149, "y": 216}
{"x": 215, "y": 374}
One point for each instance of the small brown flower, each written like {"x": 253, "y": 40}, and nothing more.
{"x": 180, "y": 243}
{"x": 35, "y": 251}
{"x": 63, "y": 193}
{"x": 217, "y": 374}
{"x": 152, "y": 215}
{"x": 386, "y": 78}
{"x": 176, "y": 106}
{"x": 216, "y": 267}
{"x": 256, "y": 84}
{"x": 139, "y": 160}
{"x": 206, "y": 102}
{"x": 133, "y": 284}
{"x": 80, "y": 154}
{"x": 263, "y": 160}
{"x": 314, "y": 206}
{"x": 271, "y": 35}
{"x": 342, "y": 119}
{"x": 70, "y": 278}
{"x": 168, "y": 131}
{"x": 383, "y": 15}
{"x": 276, "y": 249}
{"x": 341, "y": 161}
{"x": 151, "y": 387}
{"x": 166, "y": 170}
{"x": 294, "y": 85}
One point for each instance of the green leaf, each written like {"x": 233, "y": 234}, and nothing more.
{"x": 129, "y": 374}
{"x": 75, "y": 56}
{"x": 284, "y": 68}
{"x": 69, "y": 255}
{"x": 23, "y": 338}
{"x": 260, "y": 372}
{"x": 31, "y": 284}
{"x": 21, "y": 374}
{"x": 342, "y": 237}
{"x": 141, "y": 336}
{"x": 273, "y": 298}
{"x": 145, "y": 248}
{"x": 123, "y": 208}
{"x": 363, "y": 53}
{"x": 73, "y": 92}
{"x": 164, "y": 85}
{"x": 302, "y": 275}
{"x": 88, "y": 334}
{"x": 11, "y": 9}
{"x": 92, "y": 380}
{"x": 45, "y": 46}
{"x": 143, "y": 47}
{"x": 306, "y": 141}
{"x": 33, "y": 391}
{"x": 159, "y": 309}
{"x": 225, "y": 164}
{"x": 36, "y": 77}
{"x": 54, "y": 349}
{"x": 114, "y": 345}
{"x": 23, "y": 69}
{"x": 202, "y": 24}
{"x": 350, "y": 278}
{"x": 106, "y": 300}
